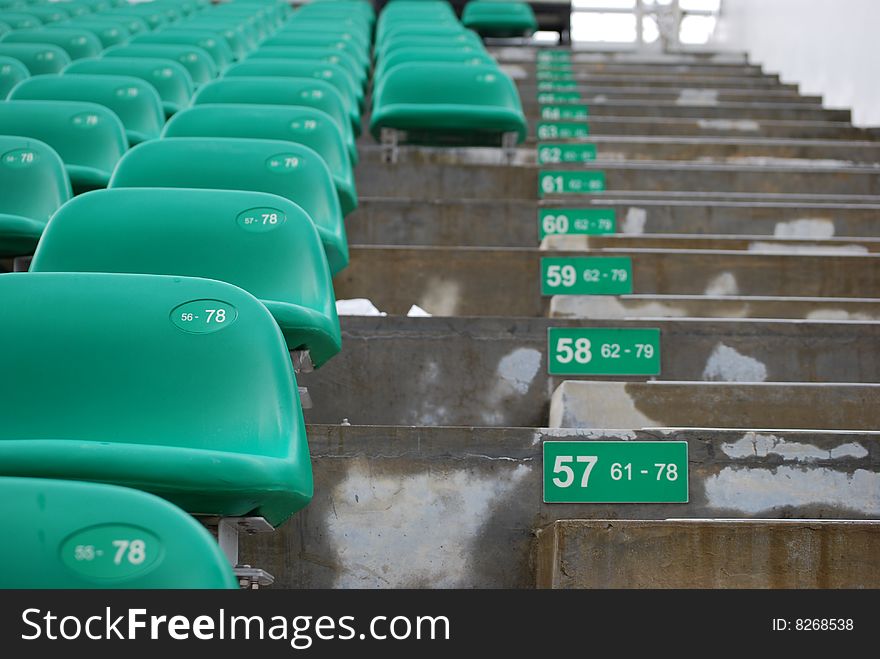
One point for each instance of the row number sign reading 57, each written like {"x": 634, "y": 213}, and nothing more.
{"x": 615, "y": 472}
{"x": 586, "y": 275}
{"x": 600, "y": 351}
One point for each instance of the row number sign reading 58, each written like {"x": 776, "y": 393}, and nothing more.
{"x": 600, "y": 351}
{"x": 615, "y": 472}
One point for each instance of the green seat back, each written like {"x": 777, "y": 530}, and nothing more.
{"x": 39, "y": 58}
{"x": 359, "y": 38}
{"x": 216, "y": 46}
{"x": 200, "y": 409}
{"x": 267, "y": 90}
{"x": 289, "y": 170}
{"x": 499, "y": 19}
{"x": 448, "y": 99}
{"x": 335, "y": 74}
{"x": 339, "y": 21}
{"x": 153, "y": 17}
{"x": 34, "y": 185}
{"x": 246, "y": 33}
{"x": 393, "y": 31}
{"x": 109, "y": 34}
{"x": 172, "y": 82}
{"x": 233, "y": 44}
{"x": 12, "y": 72}
{"x": 257, "y": 21}
{"x": 465, "y": 38}
{"x": 48, "y": 13}
{"x": 331, "y": 55}
{"x": 89, "y": 535}
{"x": 361, "y": 56}
{"x": 316, "y": 129}
{"x": 134, "y": 24}
{"x": 134, "y": 101}
{"x": 196, "y": 60}
{"x": 89, "y": 138}
{"x": 77, "y": 43}
{"x": 260, "y": 242}
{"x": 466, "y": 55}
{"x": 20, "y": 20}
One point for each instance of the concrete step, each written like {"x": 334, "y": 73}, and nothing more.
{"x": 594, "y": 95}
{"x": 751, "y": 243}
{"x": 731, "y": 111}
{"x": 513, "y": 223}
{"x": 799, "y": 406}
{"x": 493, "y": 371}
{"x": 729, "y": 150}
{"x": 707, "y": 306}
{"x": 682, "y": 71}
{"x": 443, "y": 507}
{"x": 529, "y": 55}
{"x": 430, "y": 175}
{"x": 506, "y": 282}
{"x": 709, "y": 554}
{"x": 659, "y": 79}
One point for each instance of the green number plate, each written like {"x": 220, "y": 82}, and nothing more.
{"x": 568, "y": 112}
{"x": 561, "y": 75}
{"x": 586, "y": 275}
{"x": 563, "y": 130}
{"x": 570, "y": 182}
{"x": 113, "y": 551}
{"x": 615, "y": 472}
{"x": 556, "y": 85}
{"x": 594, "y": 351}
{"x": 576, "y": 221}
{"x": 559, "y": 97}
{"x": 554, "y": 56}
{"x": 562, "y": 153}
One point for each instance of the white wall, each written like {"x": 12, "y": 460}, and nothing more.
{"x": 829, "y": 47}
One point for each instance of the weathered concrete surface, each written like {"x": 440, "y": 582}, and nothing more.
{"x": 753, "y": 243}
{"x": 660, "y": 79}
{"x": 433, "y": 174}
{"x": 506, "y": 54}
{"x": 594, "y": 95}
{"x": 493, "y": 371}
{"x": 472, "y": 281}
{"x": 730, "y": 110}
{"x": 443, "y": 507}
{"x": 682, "y": 70}
{"x": 709, "y": 554}
{"x": 745, "y": 402}
{"x": 712, "y": 306}
{"x": 513, "y": 223}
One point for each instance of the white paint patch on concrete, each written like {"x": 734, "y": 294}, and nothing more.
{"x": 757, "y": 445}
{"x": 725, "y": 364}
{"x": 705, "y": 97}
{"x": 800, "y": 248}
{"x": 514, "y": 71}
{"x": 514, "y": 376}
{"x": 741, "y": 125}
{"x": 596, "y": 405}
{"x": 841, "y": 314}
{"x": 635, "y": 220}
{"x": 583, "y": 433}
{"x": 607, "y": 306}
{"x": 763, "y": 161}
{"x": 428, "y": 413}
{"x": 723, "y": 284}
{"x": 396, "y": 530}
{"x": 358, "y": 306}
{"x": 807, "y": 227}
{"x": 441, "y": 297}
{"x": 415, "y": 311}
{"x": 752, "y": 491}
{"x": 599, "y": 98}
{"x": 565, "y": 242}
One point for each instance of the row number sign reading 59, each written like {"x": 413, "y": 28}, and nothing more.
{"x": 615, "y": 472}
{"x": 586, "y": 275}
{"x": 600, "y": 351}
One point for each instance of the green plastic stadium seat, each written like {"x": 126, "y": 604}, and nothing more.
{"x": 77, "y": 43}
{"x": 34, "y": 185}
{"x": 108, "y": 34}
{"x": 170, "y": 79}
{"x": 361, "y": 56}
{"x": 12, "y": 72}
{"x": 20, "y": 20}
{"x": 466, "y": 55}
{"x": 442, "y": 100}
{"x": 499, "y": 19}
{"x": 134, "y": 24}
{"x": 153, "y": 17}
{"x": 4, "y": 28}
{"x": 39, "y": 59}
{"x": 289, "y": 170}
{"x": 69, "y": 534}
{"x": 339, "y": 23}
{"x": 466, "y": 38}
{"x": 316, "y": 129}
{"x": 215, "y": 45}
{"x": 260, "y": 242}
{"x": 268, "y": 90}
{"x": 359, "y": 38}
{"x": 331, "y": 55}
{"x": 258, "y": 22}
{"x": 194, "y": 59}
{"x": 335, "y": 74}
{"x": 89, "y": 138}
{"x": 48, "y": 13}
{"x": 241, "y": 38}
{"x": 235, "y": 42}
{"x": 177, "y": 386}
{"x": 134, "y": 101}
{"x": 395, "y": 31}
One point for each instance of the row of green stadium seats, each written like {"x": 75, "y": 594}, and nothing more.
{"x": 154, "y": 325}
